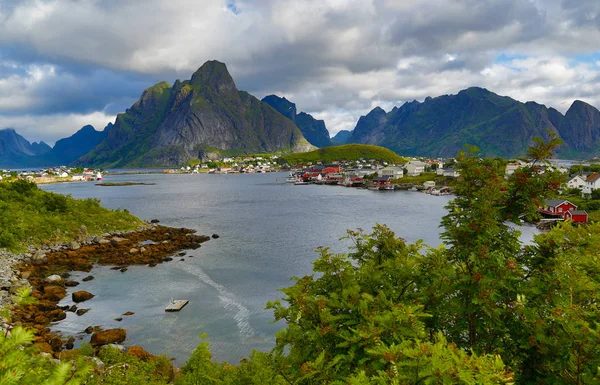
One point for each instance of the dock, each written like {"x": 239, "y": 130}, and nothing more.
{"x": 176, "y": 305}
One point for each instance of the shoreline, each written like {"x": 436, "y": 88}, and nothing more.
{"x": 45, "y": 270}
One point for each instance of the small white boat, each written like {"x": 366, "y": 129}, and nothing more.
{"x": 98, "y": 176}
{"x": 300, "y": 183}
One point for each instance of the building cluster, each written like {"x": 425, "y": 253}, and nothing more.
{"x": 62, "y": 173}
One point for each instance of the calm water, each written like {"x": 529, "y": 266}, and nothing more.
{"x": 269, "y": 230}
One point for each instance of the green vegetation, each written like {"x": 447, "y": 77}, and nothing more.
{"x": 424, "y": 177}
{"x": 346, "y": 152}
{"x": 32, "y": 216}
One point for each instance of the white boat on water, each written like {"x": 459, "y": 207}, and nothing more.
{"x": 300, "y": 183}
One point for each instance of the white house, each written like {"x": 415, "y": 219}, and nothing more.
{"x": 429, "y": 184}
{"x": 392, "y": 172}
{"x": 415, "y": 168}
{"x": 592, "y": 183}
{"x": 511, "y": 168}
{"x": 578, "y": 181}
{"x": 452, "y": 173}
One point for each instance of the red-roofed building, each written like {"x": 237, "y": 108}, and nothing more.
{"x": 577, "y": 216}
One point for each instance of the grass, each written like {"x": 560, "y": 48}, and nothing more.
{"x": 424, "y": 177}
{"x": 31, "y": 216}
{"x": 348, "y": 152}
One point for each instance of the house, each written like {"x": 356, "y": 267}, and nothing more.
{"x": 556, "y": 207}
{"x": 429, "y": 184}
{"x": 592, "y": 183}
{"x": 450, "y": 172}
{"x": 577, "y": 216}
{"x": 415, "y": 168}
{"x": 511, "y": 168}
{"x": 382, "y": 182}
{"x": 392, "y": 172}
{"x": 578, "y": 181}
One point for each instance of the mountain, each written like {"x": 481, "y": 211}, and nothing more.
{"x": 70, "y": 149}
{"x": 16, "y": 151}
{"x": 498, "y": 125}
{"x": 40, "y": 148}
{"x": 170, "y": 125}
{"x": 341, "y": 137}
{"x": 313, "y": 130}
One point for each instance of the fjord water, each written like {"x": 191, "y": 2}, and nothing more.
{"x": 268, "y": 232}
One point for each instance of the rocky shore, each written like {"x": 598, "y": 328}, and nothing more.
{"x": 46, "y": 271}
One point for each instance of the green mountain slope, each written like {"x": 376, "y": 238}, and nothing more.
{"x": 346, "y": 152}
{"x": 498, "y": 125}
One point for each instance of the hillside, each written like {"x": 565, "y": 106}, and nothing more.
{"x": 170, "y": 125}
{"x": 346, "y": 152}
{"x": 498, "y": 125}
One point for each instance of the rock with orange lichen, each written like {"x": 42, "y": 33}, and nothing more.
{"x": 82, "y": 295}
{"x": 54, "y": 293}
{"x": 139, "y": 352}
{"x": 110, "y": 336}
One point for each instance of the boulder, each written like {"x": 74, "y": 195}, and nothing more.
{"x": 92, "y": 329}
{"x": 88, "y": 278}
{"x": 71, "y": 283}
{"x": 54, "y": 293}
{"x": 140, "y": 353}
{"x": 123, "y": 270}
{"x": 215, "y": 236}
{"x": 56, "y": 315}
{"x": 110, "y": 336}
{"x": 82, "y": 295}
{"x": 133, "y": 250}
{"x": 39, "y": 258}
{"x": 81, "y": 312}
{"x": 74, "y": 245}
{"x": 54, "y": 279}
{"x": 154, "y": 221}
{"x": 128, "y": 313}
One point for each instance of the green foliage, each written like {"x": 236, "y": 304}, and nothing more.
{"x": 32, "y": 216}
{"x": 346, "y": 152}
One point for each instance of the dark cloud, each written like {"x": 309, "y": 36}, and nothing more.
{"x": 336, "y": 59}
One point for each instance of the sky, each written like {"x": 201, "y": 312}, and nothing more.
{"x": 68, "y": 63}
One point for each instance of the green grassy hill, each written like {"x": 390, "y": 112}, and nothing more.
{"x": 345, "y": 152}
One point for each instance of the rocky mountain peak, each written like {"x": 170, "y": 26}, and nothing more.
{"x": 214, "y": 75}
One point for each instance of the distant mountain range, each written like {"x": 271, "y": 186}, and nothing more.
{"x": 498, "y": 125}
{"x": 16, "y": 151}
{"x": 170, "y": 125}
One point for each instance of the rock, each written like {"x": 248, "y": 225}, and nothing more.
{"x": 142, "y": 250}
{"x": 154, "y": 221}
{"x": 128, "y": 313}
{"x": 182, "y": 259}
{"x": 64, "y": 308}
{"x": 72, "y": 309}
{"x": 74, "y": 245}
{"x": 54, "y": 293}
{"x": 56, "y": 315}
{"x": 70, "y": 343}
{"x": 54, "y": 279}
{"x": 39, "y": 258}
{"x": 133, "y": 250}
{"x": 152, "y": 264}
{"x": 67, "y": 355}
{"x": 81, "y": 312}
{"x": 43, "y": 347}
{"x": 140, "y": 353}
{"x": 109, "y": 336}
{"x": 92, "y": 329}
{"x": 215, "y": 236}
{"x": 82, "y": 295}
{"x": 71, "y": 283}
{"x": 182, "y": 253}
{"x": 123, "y": 270}
{"x": 119, "y": 319}
{"x": 116, "y": 240}
{"x": 103, "y": 241}
{"x": 98, "y": 363}
{"x": 116, "y": 268}
{"x": 190, "y": 256}
{"x": 88, "y": 278}
{"x": 65, "y": 275}
{"x": 168, "y": 259}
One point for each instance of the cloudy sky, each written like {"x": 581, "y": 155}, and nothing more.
{"x": 67, "y": 63}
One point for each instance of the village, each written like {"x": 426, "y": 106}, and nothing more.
{"x": 53, "y": 175}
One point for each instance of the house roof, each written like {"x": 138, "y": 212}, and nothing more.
{"x": 593, "y": 177}
{"x": 578, "y": 212}
{"x": 555, "y": 202}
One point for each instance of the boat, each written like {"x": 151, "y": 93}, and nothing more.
{"x": 98, "y": 176}
{"x": 300, "y": 183}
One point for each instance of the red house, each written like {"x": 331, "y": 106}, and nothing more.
{"x": 577, "y": 216}
{"x": 556, "y": 207}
